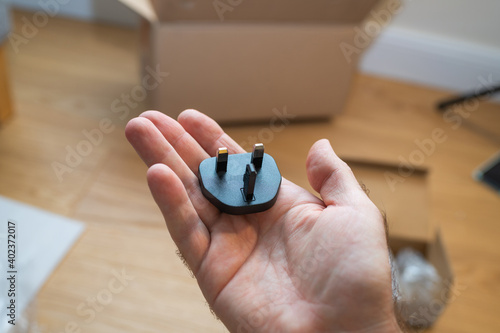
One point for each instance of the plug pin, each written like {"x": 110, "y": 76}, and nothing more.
{"x": 258, "y": 155}
{"x": 222, "y": 157}
{"x": 249, "y": 182}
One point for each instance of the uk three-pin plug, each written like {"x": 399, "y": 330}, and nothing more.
{"x": 240, "y": 184}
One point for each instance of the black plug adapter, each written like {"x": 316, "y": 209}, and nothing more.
{"x": 240, "y": 184}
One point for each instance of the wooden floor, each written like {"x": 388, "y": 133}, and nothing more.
{"x": 64, "y": 81}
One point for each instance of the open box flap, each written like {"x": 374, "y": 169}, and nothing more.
{"x": 142, "y": 7}
{"x": 437, "y": 254}
{"x": 406, "y": 204}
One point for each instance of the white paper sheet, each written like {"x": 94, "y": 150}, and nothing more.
{"x": 42, "y": 240}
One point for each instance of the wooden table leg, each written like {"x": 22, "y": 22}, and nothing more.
{"x": 5, "y": 97}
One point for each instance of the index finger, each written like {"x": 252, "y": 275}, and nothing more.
{"x": 207, "y": 132}
{"x": 183, "y": 143}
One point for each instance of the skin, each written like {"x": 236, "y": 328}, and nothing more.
{"x": 305, "y": 265}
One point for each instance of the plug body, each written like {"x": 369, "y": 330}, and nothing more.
{"x": 240, "y": 187}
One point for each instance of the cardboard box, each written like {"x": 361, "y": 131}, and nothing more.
{"x": 239, "y": 60}
{"x": 408, "y": 215}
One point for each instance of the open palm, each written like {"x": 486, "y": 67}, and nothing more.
{"x": 305, "y": 265}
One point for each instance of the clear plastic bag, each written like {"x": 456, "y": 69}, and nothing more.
{"x": 417, "y": 289}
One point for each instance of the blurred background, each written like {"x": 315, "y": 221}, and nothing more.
{"x": 366, "y": 74}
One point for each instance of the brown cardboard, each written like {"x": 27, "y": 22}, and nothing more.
{"x": 263, "y": 55}
{"x": 407, "y": 211}
{"x": 407, "y": 207}
{"x": 292, "y": 11}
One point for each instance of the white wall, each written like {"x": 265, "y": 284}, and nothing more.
{"x": 470, "y": 21}
{"x": 451, "y": 44}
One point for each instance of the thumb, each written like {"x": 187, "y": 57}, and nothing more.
{"x": 330, "y": 176}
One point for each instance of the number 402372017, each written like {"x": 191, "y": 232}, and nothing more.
{"x": 11, "y": 244}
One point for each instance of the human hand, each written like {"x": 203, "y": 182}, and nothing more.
{"x": 305, "y": 265}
